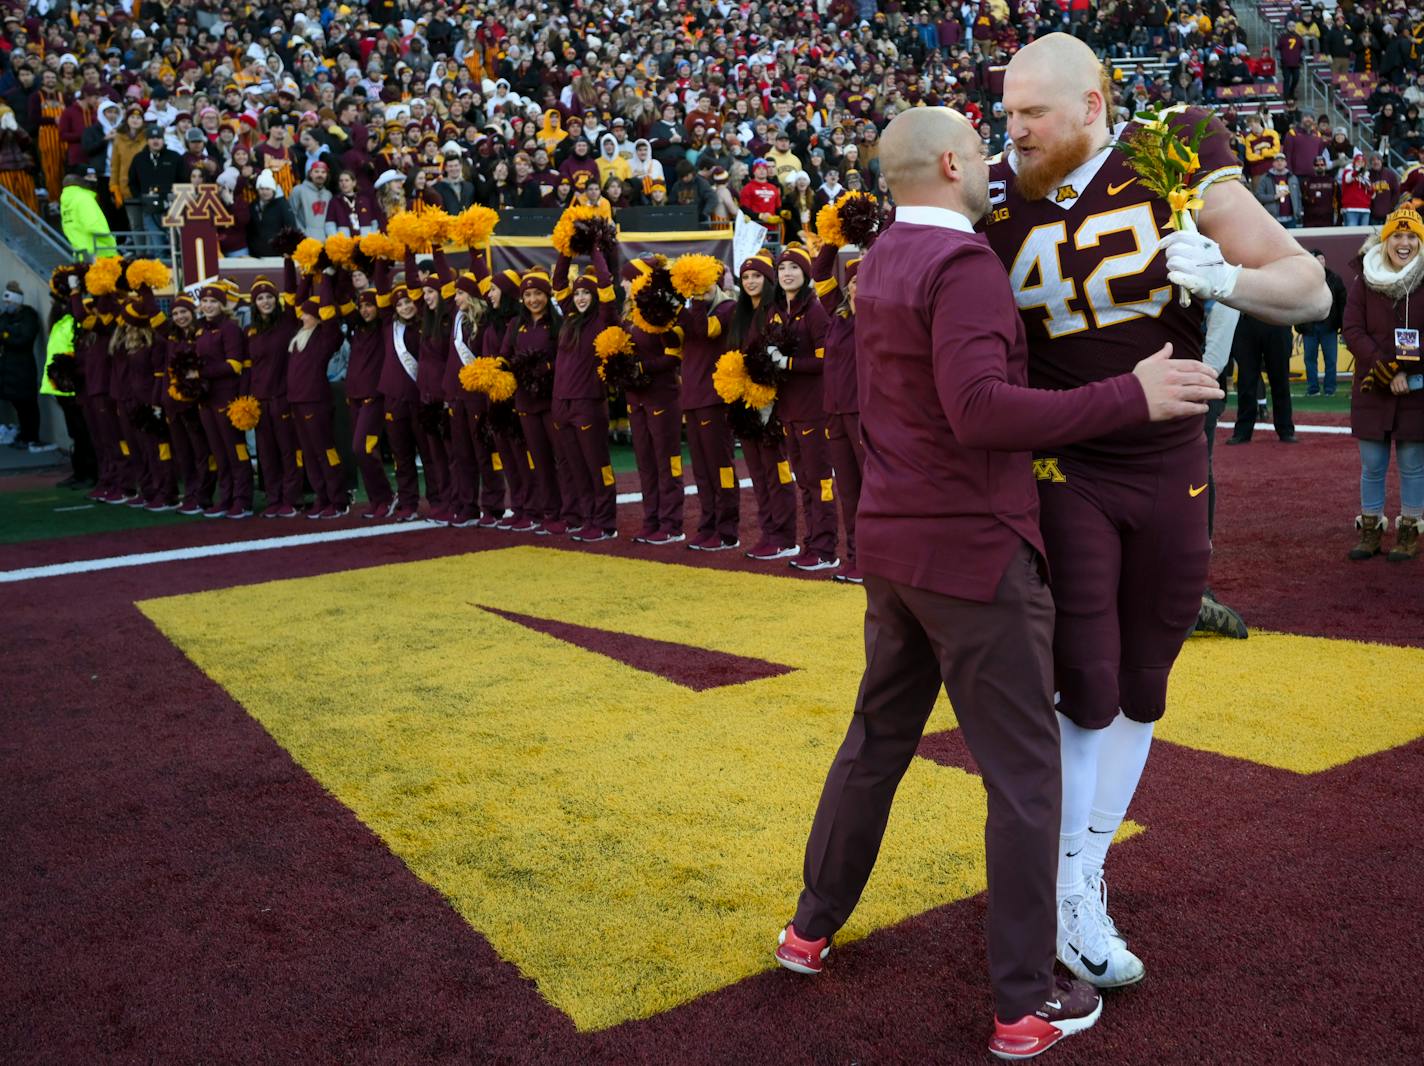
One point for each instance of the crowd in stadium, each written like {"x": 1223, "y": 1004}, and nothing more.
{"x": 334, "y": 116}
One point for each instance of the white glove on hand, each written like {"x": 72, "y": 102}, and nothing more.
{"x": 778, "y": 360}
{"x": 1194, "y": 262}
{"x": 764, "y": 413}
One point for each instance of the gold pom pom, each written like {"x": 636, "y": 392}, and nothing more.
{"x": 730, "y": 377}
{"x": 307, "y": 253}
{"x": 148, "y": 272}
{"x": 828, "y": 225}
{"x": 340, "y": 249}
{"x": 487, "y": 376}
{"x": 615, "y": 340}
{"x": 380, "y": 246}
{"x": 693, "y": 274}
{"x": 502, "y": 387}
{"x": 473, "y": 226}
{"x": 564, "y": 229}
{"x": 758, "y": 395}
{"x": 470, "y": 376}
{"x": 102, "y": 277}
{"x": 434, "y": 225}
{"x": 244, "y": 412}
{"x": 407, "y": 228}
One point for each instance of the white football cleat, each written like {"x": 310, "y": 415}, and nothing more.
{"x": 1089, "y": 946}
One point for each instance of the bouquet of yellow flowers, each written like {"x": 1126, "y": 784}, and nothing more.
{"x": 1166, "y": 161}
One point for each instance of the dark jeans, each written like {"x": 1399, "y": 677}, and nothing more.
{"x": 1256, "y": 347}
{"x": 81, "y": 458}
{"x": 1323, "y": 342}
{"x": 27, "y": 413}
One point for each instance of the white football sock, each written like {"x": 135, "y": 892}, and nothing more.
{"x": 1079, "y": 748}
{"x": 1121, "y": 759}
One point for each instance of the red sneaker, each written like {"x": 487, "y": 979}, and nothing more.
{"x": 137, "y": 501}
{"x": 555, "y": 528}
{"x": 663, "y": 537}
{"x": 809, "y": 560}
{"x": 703, "y": 542}
{"x": 159, "y": 506}
{"x": 593, "y": 536}
{"x": 1073, "y": 1007}
{"x": 848, "y": 575}
{"x": 722, "y": 544}
{"x": 378, "y": 511}
{"x": 217, "y": 510}
{"x": 271, "y": 511}
{"x": 287, "y": 511}
{"x": 404, "y": 514}
{"x": 96, "y": 493}
{"x": 190, "y": 507}
{"x": 643, "y": 535}
{"x": 463, "y": 520}
{"x": 797, "y": 953}
{"x": 489, "y": 521}
{"x": 507, "y": 522}
{"x": 238, "y": 511}
{"x": 525, "y": 525}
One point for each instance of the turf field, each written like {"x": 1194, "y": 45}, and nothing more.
{"x": 410, "y": 794}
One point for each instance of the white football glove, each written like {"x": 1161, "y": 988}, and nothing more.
{"x": 778, "y": 360}
{"x": 764, "y": 413}
{"x": 1194, "y": 262}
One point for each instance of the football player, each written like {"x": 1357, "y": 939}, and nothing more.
{"x": 1093, "y": 266}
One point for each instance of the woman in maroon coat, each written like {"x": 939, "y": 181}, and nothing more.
{"x": 316, "y": 341}
{"x": 1383, "y": 318}
{"x": 703, "y": 325}
{"x": 842, "y": 398}
{"x": 502, "y": 292}
{"x": 352, "y": 212}
{"x": 96, "y": 320}
{"x": 529, "y": 349}
{"x": 268, "y": 335}
{"x": 222, "y": 351}
{"x": 437, "y": 288}
{"x": 655, "y": 419}
{"x": 400, "y": 395}
{"x": 800, "y": 405}
{"x": 581, "y": 399}
{"x": 363, "y": 395}
{"x": 195, "y": 463}
{"x": 477, "y": 487}
{"x": 766, "y": 461}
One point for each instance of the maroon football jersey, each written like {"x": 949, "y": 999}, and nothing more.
{"x": 1090, "y": 279}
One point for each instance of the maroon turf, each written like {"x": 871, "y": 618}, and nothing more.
{"x": 691, "y": 667}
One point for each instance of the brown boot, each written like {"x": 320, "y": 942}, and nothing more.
{"x": 1371, "y": 527}
{"x": 1406, "y": 541}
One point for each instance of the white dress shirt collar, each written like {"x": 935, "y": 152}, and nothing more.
{"x": 923, "y": 215}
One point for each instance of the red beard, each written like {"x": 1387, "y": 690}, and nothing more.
{"x": 1045, "y": 170}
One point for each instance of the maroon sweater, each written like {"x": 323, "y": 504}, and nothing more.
{"x": 223, "y": 351}
{"x": 800, "y": 397}
{"x": 576, "y": 367}
{"x": 651, "y": 351}
{"x": 520, "y": 340}
{"x": 92, "y": 349}
{"x": 174, "y": 340}
{"x": 306, "y": 369}
{"x": 946, "y": 415}
{"x": 268, "y": 351}
{"x": 1370, "y": 321}
{"x": 704, "y": 340}
{"x": 397, "y": 383}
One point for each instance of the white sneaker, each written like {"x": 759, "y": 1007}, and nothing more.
{"x": 1095, "y": 891}
{"x": 1086, "y": 948}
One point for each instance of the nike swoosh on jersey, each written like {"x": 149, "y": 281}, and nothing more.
{"x": 808, "y": 432}
{"x": 658, "y": 411}
{"x": 1113, "y": 190}
{"x": 587, "y": 427}
{"x": 1194, "y": 491}
{"x": 702, "y": 423}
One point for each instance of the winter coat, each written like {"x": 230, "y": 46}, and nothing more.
{"x": 19, "y": 373}
{"x": 1374, "y": 311}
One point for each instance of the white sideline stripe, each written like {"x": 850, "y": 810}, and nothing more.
{"x": 241, "y": 547}
{"x": 1342, "y": 431}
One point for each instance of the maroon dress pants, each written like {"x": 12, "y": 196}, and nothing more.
{"x": 775, "y": 499}
{"x": 810, "y": 458}
{"x": 194, "y": 460}
{"x": 366, "y": 426}
{"x": 140, "y": 454}
{"x": 995, "y": 661}
{"x": 547, "y": 481}
{"x": 714, "y": 470}
{"x": 509, "y": 460}
{"x": 475, "y": 484}
{"x": 103, "y": 421}
{"x": 582, "y": 426}
{"x": 848, "y": 461}
{"x": 229, "y": 446}
{"x": 404, "y": 436}
{"x": 657, "y": 446}
{"x": 316, "y": 433}
{"x": 277, "y": 454}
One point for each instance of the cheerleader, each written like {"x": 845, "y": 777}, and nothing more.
{"x": 529, "y": 349}
{"x": 363, "y": 396}
{"x": 477, "y": 485}
{"x": 222, "y": 354}
{"x": 581, "y": 399}
{"x": 194, "y": 459}
{"x": 800, "y": 405}
{"x": 437, "y": 287}
{"x": 502, "y": 292}
{"x": 703, "y": 324}
{"x": 96, "y": 321}
{"x": 312, "y": 347}
{"x": 400, "y": 396}
{"x": 655, "y": 419}
{"x": 766, "y": 459}
{"x": 268, "y": 337}
{"x": 136, "y": 355}
{"x": 842, "y": 398}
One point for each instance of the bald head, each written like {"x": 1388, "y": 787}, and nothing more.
{"x": 913, "y": 148}
{"x": 1059, "y": 61}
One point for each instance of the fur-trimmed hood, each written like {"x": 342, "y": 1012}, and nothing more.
{"x": 1382, "y": 278}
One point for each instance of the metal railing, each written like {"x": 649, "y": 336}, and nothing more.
{"x": 30, "y": 237}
